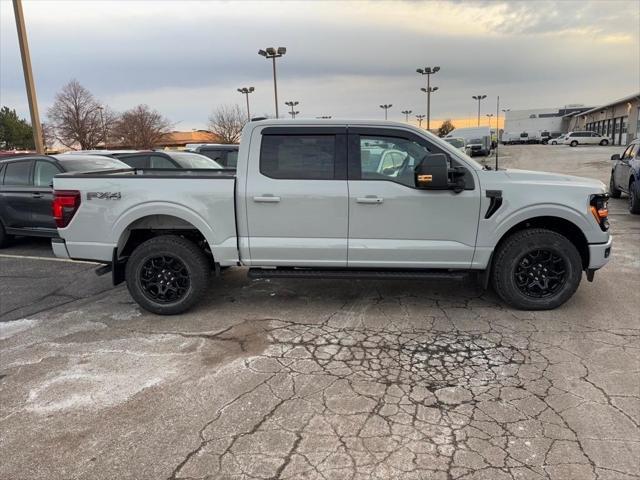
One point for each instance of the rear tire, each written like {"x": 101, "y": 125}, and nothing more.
{"x": 634, "y": 197}
{"x": 604, "y": 143}
{"x": 613, "y": 191}
{"x": 536, "y": 269}
{"x": 167, "y": 275}
{"x": 573, "y": 143}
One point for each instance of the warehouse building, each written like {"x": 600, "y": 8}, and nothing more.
{"x": 619, "y": 120}
{"x": 534, "y": 121}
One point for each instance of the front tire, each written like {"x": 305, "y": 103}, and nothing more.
{"x": 613, "y": 190}
{"x": 634, "y": 197}
{"x": 604, "y": 143}
{"x": 574, "y": 143}
{"x": 536, "y": 269}
{"x": 167, "y": 275}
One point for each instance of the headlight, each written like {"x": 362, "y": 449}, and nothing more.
{"x": 599, "y": 207}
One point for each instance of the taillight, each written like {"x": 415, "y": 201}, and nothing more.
{"x": 600, "y": 210}
{"x": 65, "y": 204}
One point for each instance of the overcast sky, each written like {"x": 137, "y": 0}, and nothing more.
{"x": 343, "y": 59}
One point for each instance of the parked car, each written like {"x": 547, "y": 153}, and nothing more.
{"x": 457, "y": 142}
{"x": 625, "y": 175}
{"x": 26, "y": 190}
{"x": 479, "y": 136}
{"x": 585, "y": 138}
{"x": 510, "y": 138}
{"x": 306, "y": 202}
{"x": 557, "y": 140}
{"x": 167, "y": 159}
{"x": 224, "y": 154}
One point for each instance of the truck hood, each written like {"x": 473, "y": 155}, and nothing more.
{"x": 528, "y": 176}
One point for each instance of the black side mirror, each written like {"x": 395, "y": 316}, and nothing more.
{"x": 615, "y": 156}
{"x": 432, "y": 173}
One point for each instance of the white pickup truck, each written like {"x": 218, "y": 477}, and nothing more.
{"x": 336, "y": 199}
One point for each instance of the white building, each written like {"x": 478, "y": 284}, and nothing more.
{"x": 540, "y": 120}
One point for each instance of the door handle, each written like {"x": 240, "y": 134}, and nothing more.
{"x": 267, "y": 198}
{"x": 36, "y": 195}
{"x": 370, "y": 199}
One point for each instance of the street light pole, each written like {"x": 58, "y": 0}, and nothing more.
{"x": 479, "y": 98}
{"x": 273, "y": 53}
{"x": 406, "y": 114}
{"x": 104, "y": 126}
{"x": 292, "y": 104}
{"x": 489, "y": 115}
{"x": 246, "y": 91}
{"x": 28, "y": 76}
{"x": 386, "y": 107}
{"x": 428, "y": 71}
{"x": 420, "y": 118}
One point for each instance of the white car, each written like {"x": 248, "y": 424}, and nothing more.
{"x": 557, "y": 141}
{"x": 585, "y": 138}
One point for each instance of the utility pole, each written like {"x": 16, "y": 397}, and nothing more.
{"x": 428, "y": 71}
{"x": 386, "y": 107}
{"x": 420, "y": 118}
{"x": 497, "y": 129}
{"x": 272, "y": 53}
{"x": 406, "y": 114}
{"x": 246, "y": 91}
{"x": 489, "y": 115}
{"x": 28, "y": 76}
{"x": 479, "y": 98}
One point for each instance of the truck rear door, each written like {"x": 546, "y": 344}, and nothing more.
{"x": 296, "y": 197}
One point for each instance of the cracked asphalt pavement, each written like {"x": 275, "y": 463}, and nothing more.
{"x": 323, "y": 379}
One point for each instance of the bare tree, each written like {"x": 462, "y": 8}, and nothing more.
{"x": 75, "y": 117}
{"x": 48, "y": 135}
{"x": 227, "y": 122}
{"x": 141, "y": 127}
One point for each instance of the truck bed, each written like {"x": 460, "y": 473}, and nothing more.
{"x": 113, "y": 203}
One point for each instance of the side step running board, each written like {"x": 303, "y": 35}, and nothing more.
{"x": 337, "y": 274}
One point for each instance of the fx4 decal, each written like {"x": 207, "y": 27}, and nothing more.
{"x": 104, "y": 195}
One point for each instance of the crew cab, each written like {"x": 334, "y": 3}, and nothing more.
{"x": 307, "y": 201}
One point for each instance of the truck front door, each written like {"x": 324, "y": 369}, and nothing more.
{"x": 394, "y": 224}
{"x": 296, "y": 197}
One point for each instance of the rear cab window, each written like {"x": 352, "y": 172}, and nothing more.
{"x": 18, "y": 174}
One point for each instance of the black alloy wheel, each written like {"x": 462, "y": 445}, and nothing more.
{"x": 164, "y": 279}
{"x": 540, "y": 273}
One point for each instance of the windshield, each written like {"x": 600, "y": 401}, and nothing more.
{"x": 83, "y": 164}
{"x": 193, "y": 160}
{"x": 456, "y": 142}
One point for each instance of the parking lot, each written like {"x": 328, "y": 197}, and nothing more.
{"x": 323, "y": 379}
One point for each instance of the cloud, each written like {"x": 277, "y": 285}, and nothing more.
{"x": 343, "y": 59}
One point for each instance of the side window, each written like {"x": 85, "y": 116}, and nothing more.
{"x": 217, "y": 155}
{"x": 138, "y": 161}
{"x": 633, "y": 152}
{"x": 18, "y": 173}
{"x": 232, "y": 159}
{"x": 44, "y": 173}
{"x": 390, "y": 158}
{"x": 161, "y": 162}
{"x": 627, "y": 152}
{"x": 300, "y": 157}
{"x": 594, "y": 134}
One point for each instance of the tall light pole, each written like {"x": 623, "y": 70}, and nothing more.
{"x": 420, "y": 118}
{"x": 489, "y": 115}
{"x": 428, "y": 71}
{"x": 406, "y": 114}
{"x": 28, "y": 76}
{"x": 273, "y": 53}
{"x": 479, "y": 98}
{"x": 292, "y": 104}
{"x": 386, "y": 107}
{"x": 246, "y": 91}
{"x": 104, "y": 126}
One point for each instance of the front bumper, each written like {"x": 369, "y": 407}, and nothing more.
{"x": 599, "y": 254}
{"x": 59, "y": 248}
